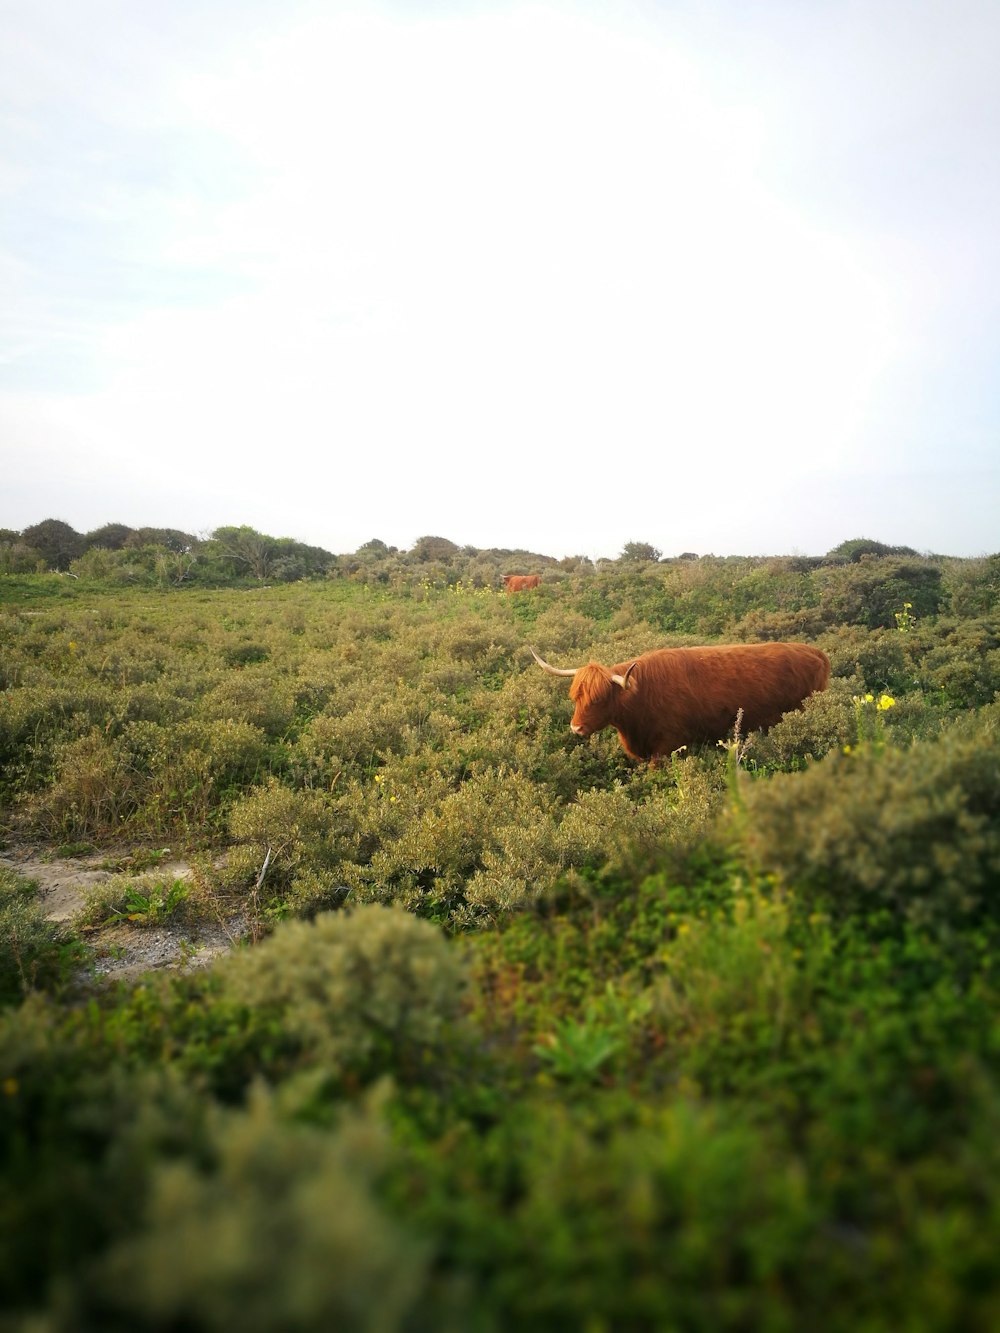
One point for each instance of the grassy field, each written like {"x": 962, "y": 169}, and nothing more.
{"x": 522, "y": 1034}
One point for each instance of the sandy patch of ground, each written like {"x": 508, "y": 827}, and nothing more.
{"x": 123, "y": 950}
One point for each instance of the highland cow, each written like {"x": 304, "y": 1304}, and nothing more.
{"x": 674, "y": 697}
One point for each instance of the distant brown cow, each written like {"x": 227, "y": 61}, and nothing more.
{"x": 520, "y": 582}
{"x": 678, "y": 696}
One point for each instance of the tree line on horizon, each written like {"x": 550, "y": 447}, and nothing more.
{"x": 171, "y": 556}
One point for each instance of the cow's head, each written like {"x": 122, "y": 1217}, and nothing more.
{"x": 596, "y": 694}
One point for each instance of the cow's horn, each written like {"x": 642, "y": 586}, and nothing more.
{"x": 623, "y": 680}
{"x": 553, "y": 671}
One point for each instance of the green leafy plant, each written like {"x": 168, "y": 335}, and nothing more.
{"x": 154, "y": 906}
{"x": 577, "y": 1051}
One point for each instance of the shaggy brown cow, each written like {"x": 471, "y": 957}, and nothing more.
{"x": 677, "y": 696}
{"x": 520, "y": 582}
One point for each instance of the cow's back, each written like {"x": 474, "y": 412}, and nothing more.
{"x": 682, "y": 696}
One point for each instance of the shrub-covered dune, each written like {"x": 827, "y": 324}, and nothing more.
{"x": 523, "y": 1034}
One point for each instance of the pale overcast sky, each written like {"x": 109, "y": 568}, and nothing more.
{"x": 717, "y": 276}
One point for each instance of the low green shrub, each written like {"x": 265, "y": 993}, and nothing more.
{"x": 877, "y": 657}
{"x": 871, "y": 592}
{"x": 360, "y": 992}
{"x": 825, "y": 722}
{"x": 144, "y": 900}
{"x": 961, "y": 663}
{"x": 296, "y": 829}
{"x": 808, "y": 622}
{"x": 252, "y": 695}
{"x": 731, "y": 974}
{"x": 916, "y": 831}
{"x": 476, "y": 852}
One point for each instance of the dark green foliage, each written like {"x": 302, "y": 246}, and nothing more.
{"x": 173, "y": 539}
{"x": 973, "y": 585}
{"x": 961, "y": 663}
{"x": 55, "y": 541}
{"x": 111, "y": 536}
{"x": 79, "y": 1134}
{"x": 276, "y": 1225}
{"x": 826, "y": 722}
{"x": 245, "y": 654}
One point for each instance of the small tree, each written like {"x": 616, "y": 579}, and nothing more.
{"x": 172, "y": 538}
{"x": 110, "y": 537}
{"x": 433, "y": 548}
{"x": 636, "y": 552}
{"x": 247, "y": 549}
{"x": 55, "y": 541}
{"x": 856, "y": 547}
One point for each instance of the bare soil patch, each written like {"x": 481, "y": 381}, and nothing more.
{"x": 123, "y": 950}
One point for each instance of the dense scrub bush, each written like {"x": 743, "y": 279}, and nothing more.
{"x": 734, "y": 981}
{"x": 359, "y": 992}
{"x": 295, "y": 827}
{"x": 253, "y": 696}
{"x": 147, "y": 776}
{"x": 369, "y": 733}
{"x": 871, "y": 592}
{"x": 781, "y": 626}
{"x": 961, "y": 662}
{"x": 652, "y": 820}
{"x": 973, "y": 586}
{"x": 476, "y": 851}
{"x": 705, "y": 1222}
{"x": 913, "y": 831}
{"x": 857, "y": 548}
{"x": 96, "y": 790}
{"x": 17, "y": 557}
{"x": 878, "y": 658}
{"x": 135, "y": 565}
{"x": 38, "y": 721}
{"x": 825, "y": 722}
